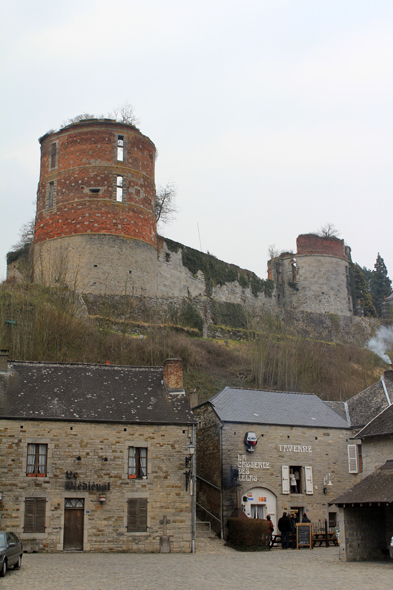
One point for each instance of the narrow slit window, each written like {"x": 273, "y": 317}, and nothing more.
{"x": 51, "y": 195}
{"x": 53, "y": 153}
{"x": 119, "y": 189}
{"x": 120, "y": 148}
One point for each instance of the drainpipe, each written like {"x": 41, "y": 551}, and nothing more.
{"x": 193, "y": 491}
{"x": 385, "y": 390}
{"x": 221, "y": 486}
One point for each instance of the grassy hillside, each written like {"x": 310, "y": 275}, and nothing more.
{"x": 42, "y": 324}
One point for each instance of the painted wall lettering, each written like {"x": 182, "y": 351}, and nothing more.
{"x": 295, "y": 448}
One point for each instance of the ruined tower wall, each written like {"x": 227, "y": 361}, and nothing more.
{"x": 316, "y": 278}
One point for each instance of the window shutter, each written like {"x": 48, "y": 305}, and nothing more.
{"x": 309, "y": 482}
{"x": 29, "y": 515}
{"x": 353, "y": 463}
{"x": 285, "y": 479}
{"x": 40, "y": 515}
{"x": 131, "y": 516}
{"x": 137, "y": 515}
{"x": 142, "y": 515}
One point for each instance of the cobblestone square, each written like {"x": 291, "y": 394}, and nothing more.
{"x": 213, "y": 567}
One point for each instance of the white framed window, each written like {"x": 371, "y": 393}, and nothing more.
{"x": 354, "y": 458}
{"x": 309, "y": 480}
{"x": 119, "y": 189}
{"x": 137, "y": 462}
{"x": 120, "y": 148}
{"x": 36, "y": 460}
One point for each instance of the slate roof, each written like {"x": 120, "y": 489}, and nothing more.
{"x": 338, "y": 407}
{"x": 381, "y": 425}
{"x": 377, "y": 487}
{"x": 370, "y": 402}
{"x": 274, "y": 407}
{"x": 46, "y": 391}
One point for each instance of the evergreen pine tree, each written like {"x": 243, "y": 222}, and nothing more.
{"x": 380, "y": 284}
{"x": 362, "y": 293}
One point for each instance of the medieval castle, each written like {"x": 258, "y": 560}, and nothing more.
{"x": 95, "y": 231}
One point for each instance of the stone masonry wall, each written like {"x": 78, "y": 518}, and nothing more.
{"x": 208, "y": 466}
{"x": 98, "y": 264}
{"x": 365, "y": 532}
{"x": 174, "y": 279}
{"x": 103, "y": 452}
{"x": 376, "y": 450}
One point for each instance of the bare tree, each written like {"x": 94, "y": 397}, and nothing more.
{"x": 26, "y": 236}
{"x": 273, "y": 251}
{"x": 165, "y": 207}
{"x": 125, "y": 113}
{"x": 328, "y": 231}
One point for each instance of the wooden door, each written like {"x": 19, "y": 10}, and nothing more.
{"x": 73, "y": 524}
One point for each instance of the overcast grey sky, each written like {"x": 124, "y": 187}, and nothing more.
{"x": 273, "y": 117}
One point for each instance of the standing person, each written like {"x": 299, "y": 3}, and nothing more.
{"x": 293, "y": 482}
{"x": 284, "y": 526}
{"x": 271, "y": 527}
{"x": 293, "y": 529}
{"x": 305, "y": 518}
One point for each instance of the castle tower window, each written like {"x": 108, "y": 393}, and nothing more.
{"x": 53, "y": 154}
{"x": 119, "y": 189}
{"x": 51, "y": 195}
{"x": 120, "y": 148}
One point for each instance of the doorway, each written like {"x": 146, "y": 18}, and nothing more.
{"x": 258, "y": 503}
{"x": 73, "y": 524}
{"x": 257, "y": 510}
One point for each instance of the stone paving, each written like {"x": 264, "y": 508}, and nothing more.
{"x": 213, "y": 567}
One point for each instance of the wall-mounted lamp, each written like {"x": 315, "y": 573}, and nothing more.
{"x": 326, "y": 482}
{"x": 102, "y": 497}
{"x": 191, "y": 448}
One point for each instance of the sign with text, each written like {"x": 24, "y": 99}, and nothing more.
{"x": 295, "y": 448}
{"x": 304, "y": 535}
{"x": 245, "y": 466}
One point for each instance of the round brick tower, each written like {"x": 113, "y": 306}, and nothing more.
{"x": 95, "y": 227}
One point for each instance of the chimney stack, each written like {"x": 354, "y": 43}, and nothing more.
{"x": 3, "y": 360}
{"x": 173, "y": 375}
{"x": 389, "y": 374}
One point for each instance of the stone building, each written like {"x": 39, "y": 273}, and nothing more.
{"x": 266, "y": 452}
{"x": 92, "y": 457}
{"x": 316, "y": 278}
{"x": 366, "y": 509}
{"x": 253, "y": 445}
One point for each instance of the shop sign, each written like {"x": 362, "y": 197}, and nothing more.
{"x": 72, "y": 484}
{"x": 295, "y": 448}
{"x": 90, "y": 487}
{"x": 245, "y": 466}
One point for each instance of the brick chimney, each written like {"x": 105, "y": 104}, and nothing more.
{"x": 389, "y": 374}
{"x": 3, "y": 360}
{"x": 173, "y": 375}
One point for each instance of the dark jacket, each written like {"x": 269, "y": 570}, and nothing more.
{"x": 284, "y": 525}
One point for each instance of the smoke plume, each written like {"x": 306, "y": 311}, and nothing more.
{"x": 382, "y": 341}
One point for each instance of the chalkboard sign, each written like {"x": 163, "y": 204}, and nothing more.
{"x": 304, "y": 535}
